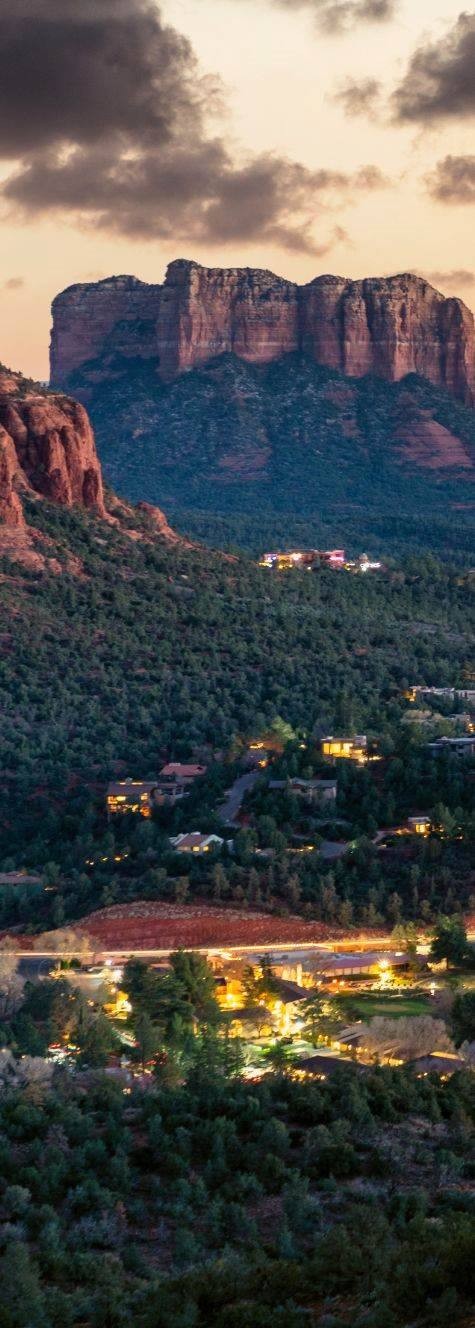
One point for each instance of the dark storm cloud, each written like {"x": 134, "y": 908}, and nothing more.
{"x": 79, "y": 69}
{"x": 440, "y": 81}
{"x": 334, "y": 16}
{"x": 105, "y": 113}
{"x": 358, "y": 96}
{"x": 453, "y": 180}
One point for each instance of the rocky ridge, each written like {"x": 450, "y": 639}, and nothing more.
{"x": 388, "y": 326}
{"x": 48, "y": 451}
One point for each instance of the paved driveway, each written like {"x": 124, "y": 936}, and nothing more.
{"x": 230, "y": 808}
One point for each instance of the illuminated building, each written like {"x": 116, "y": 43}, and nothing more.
{"x": 419, "y": 825}
{"x": 136, "y": 795}
{"x": 195, "y": 842}
{"x": 350, "y": 749}
{"x": 303, "y": 558}
{"x": 130, "y": 795}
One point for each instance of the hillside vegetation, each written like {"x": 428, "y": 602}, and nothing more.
{"x": 291, "y": 450}
{"x": 152, "y": 651}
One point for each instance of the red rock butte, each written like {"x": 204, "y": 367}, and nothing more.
{"x": 387, "y": 326}
{"x": 47, "y": 450}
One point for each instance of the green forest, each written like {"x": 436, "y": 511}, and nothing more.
{"x": 155, "y": 652}
{"x": 190, "y": 1198}
{"x": 240, "y": 453}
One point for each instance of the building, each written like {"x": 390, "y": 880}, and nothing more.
{"x": 370, "y": 962}
{"x": 333, "y": 849}
{"x": 137, "y": 795}
{"x": 176, "y": 772}
{"x": 286, "y": 1004}
{"x": 363, "y": 564}
{"x": 175, "y": 781}
{"x": 419, "y": 825}
{"x": 312, "y": 790}
{"x": 322, "y": 1066}
{"x": 195, "y": 842}
{"x": 130, "y": 795}
{"x": 451, "y": 693}
{"x": 443, "y": 1063}
{"x": 304, "y": 559}
{"x": 350, "y": 749}
{"x": 463, "y": 746}
{"x": 20, "y": 878}
{"x": 332, "y": 558}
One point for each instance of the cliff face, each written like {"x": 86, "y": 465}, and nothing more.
{"x": 47, "y": 448}
{"x": 388, "y": 326}
{"x": 101, "y": 318}
{"x": 204, "y": 312}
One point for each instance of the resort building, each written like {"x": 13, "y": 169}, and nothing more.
{"x": 304, "y": 559}
{"x": 372, "y": 962}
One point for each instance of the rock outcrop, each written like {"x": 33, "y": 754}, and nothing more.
{"x": 389, "y": 326}
{"x": 102, "y": 318}
{"x": 47, "y": 449}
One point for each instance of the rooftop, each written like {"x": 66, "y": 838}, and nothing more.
{"x": 438, "y": 1062}
{"x": 194, "y": 840}
{"x": 321, "y": 1066}
{"x": 132, "y": 787}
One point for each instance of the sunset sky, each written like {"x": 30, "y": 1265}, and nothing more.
{"x": 305, "y": 136}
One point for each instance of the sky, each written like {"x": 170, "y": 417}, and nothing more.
{"x": 303, "y": 136}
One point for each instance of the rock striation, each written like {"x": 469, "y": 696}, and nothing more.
{"x": 388, "y": 326}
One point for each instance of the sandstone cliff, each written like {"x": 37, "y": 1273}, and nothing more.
{"x": 48, "y": 451}
{"x": 389, "y": 326}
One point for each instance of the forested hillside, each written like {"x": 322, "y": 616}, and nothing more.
{"x": 151, "y": 651}
{"x": 221, "y": 1204}
{"x": 286, "y": 450}
{"x": 150, "y": 645}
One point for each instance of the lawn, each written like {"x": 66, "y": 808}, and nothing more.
{"x": 366, "y": 1006}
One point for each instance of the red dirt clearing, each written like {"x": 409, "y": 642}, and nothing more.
{"x": 150, "y": 925}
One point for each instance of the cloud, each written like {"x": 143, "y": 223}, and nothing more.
{"x": 336, "y": 16}
{"x": 440, "y": 81}
{"x": 455, "y": 279}
{"x": 358, "y": 96}
{"x": 13, "y": 284}
{"x": 453, "y": 180}
{"x": 109, "y": 122}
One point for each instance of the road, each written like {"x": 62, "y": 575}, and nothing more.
{"x": 230, "y": 808}
{"x": 38, "y": 964}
